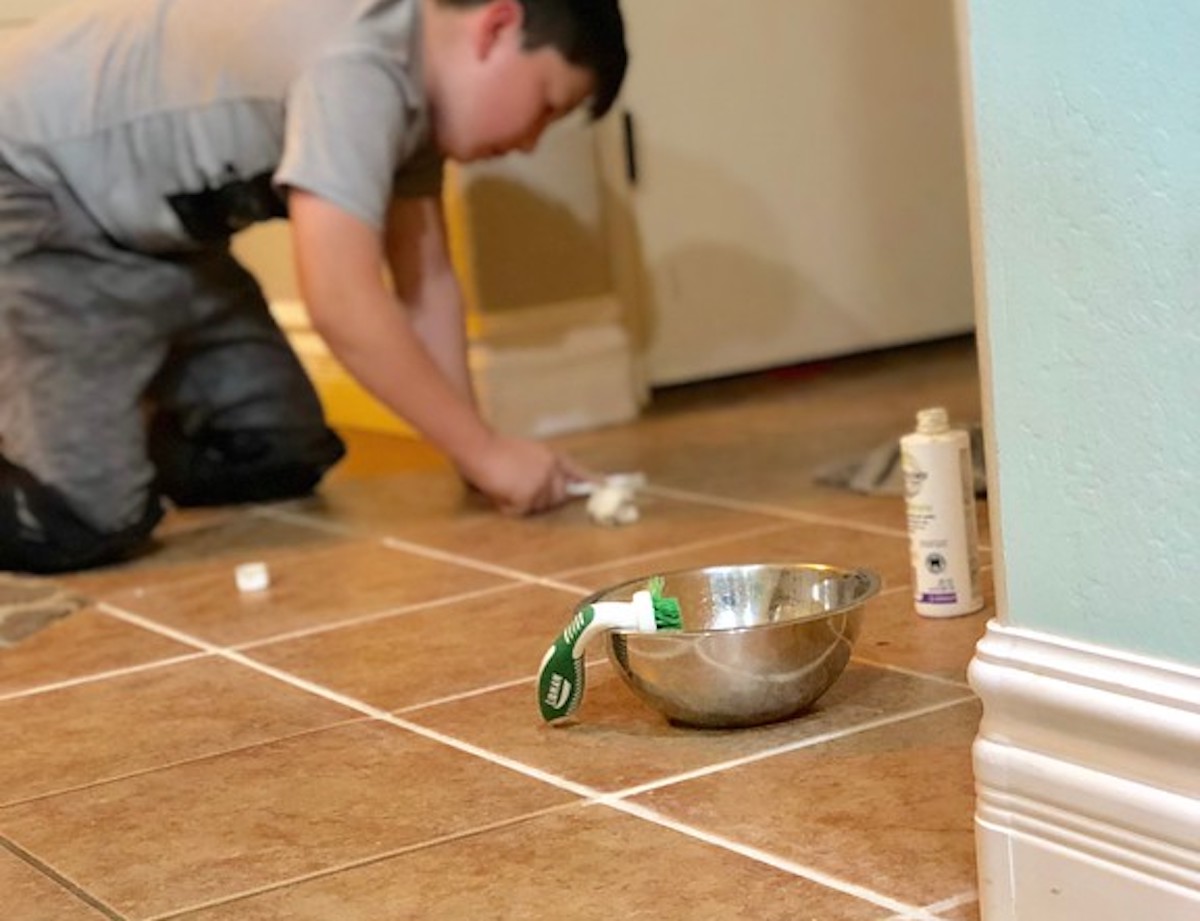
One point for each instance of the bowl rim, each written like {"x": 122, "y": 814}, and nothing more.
{"x": 872, "y": 577}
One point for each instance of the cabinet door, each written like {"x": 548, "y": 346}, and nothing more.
{"x": 800, "y": 186}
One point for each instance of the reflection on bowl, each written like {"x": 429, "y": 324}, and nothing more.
{"x": 759, "y": 643}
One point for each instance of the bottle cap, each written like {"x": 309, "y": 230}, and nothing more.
{"x": 933, "y": 421}
{"x": 252, "y": 577}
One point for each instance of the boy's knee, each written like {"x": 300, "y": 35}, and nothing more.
{"x": 223, "y": 467}
{"x": 41, "y": 533}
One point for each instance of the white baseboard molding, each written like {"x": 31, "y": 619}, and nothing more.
{"x": 1087, "y": 769}
{"x": 556, "y": 368}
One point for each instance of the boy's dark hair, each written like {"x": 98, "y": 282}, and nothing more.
{"x": 587, "y": 33}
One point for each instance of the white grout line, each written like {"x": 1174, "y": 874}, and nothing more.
{"x": 375, "y": 616}
{"x": 129, "y": 617}
{"x": 166, "y": 765}
{"x": 302, "y": 519}
{"x": 359, "y": 706}
{"x": 690, "y": 547}
{"x": 49, "y": 870}
{"x": 518, "y": 575}
{"x": 107, "y": 609}
{"x": 448, "y": 838}
{"x": 591, "y": 664}
{"x": 466, "y": 695}
{"x": 912, "y": 673}
{"x": 432, "y": 553}
{"x": 100, "y": 676}
{"x": 397, "y": 543}
{"x": 780, "y": 511}
{"x": 775, "y": 511}
{"x": 936, "y": 909}
{"x": 772, "y": 860}
{"x": 821, "y": 739}
{"x": 955, "y": 901}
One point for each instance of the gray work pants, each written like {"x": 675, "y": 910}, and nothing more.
{"x": 89, "y": 330}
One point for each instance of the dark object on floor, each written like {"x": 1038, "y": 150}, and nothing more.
{"x": 28, "y": 605}
{"x": 878, "y": 473}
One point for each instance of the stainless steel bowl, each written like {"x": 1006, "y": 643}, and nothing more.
{"x": 759, "y": 642}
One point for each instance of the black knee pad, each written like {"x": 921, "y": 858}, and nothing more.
{"x": 41, "y": 533}
{"x": 224, "y": 467}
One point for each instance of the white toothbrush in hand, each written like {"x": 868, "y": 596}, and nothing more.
{"x": 611, "y": 502}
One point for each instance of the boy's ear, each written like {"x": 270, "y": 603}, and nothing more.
{"x": 496, "y": 20}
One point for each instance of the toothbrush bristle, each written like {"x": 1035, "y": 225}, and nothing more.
{"x": 667, "y": 613}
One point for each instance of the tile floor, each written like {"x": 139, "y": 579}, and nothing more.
{"x": 361, "y": 742}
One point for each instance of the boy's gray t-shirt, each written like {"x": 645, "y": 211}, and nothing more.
{"x": 176, "y": 122}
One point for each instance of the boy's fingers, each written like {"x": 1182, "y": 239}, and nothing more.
{"x": 579, "y": 480}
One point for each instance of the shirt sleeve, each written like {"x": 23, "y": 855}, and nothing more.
{"x": 350, "y": 126}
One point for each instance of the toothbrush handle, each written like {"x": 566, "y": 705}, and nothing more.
{"x": 560, "y": 681}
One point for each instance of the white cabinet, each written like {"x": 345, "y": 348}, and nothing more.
{"x": 801, "y": 186}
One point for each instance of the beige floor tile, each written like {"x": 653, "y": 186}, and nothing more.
{"x": 308, "y": 589}
{"x": 618, "y": 742}
{"x": 87, "y": 642}
{"x": 181, "y": 784}
{"x": 136, "y": 722}
{"x": 799, "y": 543}
{"x": 889, "y": 809}
{"x": 559, "y": 540}
{"x": 762, "y": 438}
{"x": 30, "y": 895}
{"x": 585, "y": 864}
{"x": 894, "y": 634}
{"x": 206, "y": 540}
{"x": 425, "y": 655}
{"x": 209, "y": 829}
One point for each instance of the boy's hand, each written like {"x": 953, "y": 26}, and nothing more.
{"x": 523, "y": 477}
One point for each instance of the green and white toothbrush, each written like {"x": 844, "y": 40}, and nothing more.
{"x": 561, "y": 679}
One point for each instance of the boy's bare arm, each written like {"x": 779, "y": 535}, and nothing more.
{"x": 426, "y": 284}
{"x": 340, "y": 261}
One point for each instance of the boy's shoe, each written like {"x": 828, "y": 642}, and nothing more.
{"x": 40, "y": 533}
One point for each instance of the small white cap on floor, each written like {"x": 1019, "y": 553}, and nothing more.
{"x": 252, "y": 577}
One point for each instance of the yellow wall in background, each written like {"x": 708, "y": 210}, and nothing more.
{"x": 267, "y": 251}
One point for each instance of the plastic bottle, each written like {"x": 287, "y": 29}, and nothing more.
{"x": 940, "y": 498}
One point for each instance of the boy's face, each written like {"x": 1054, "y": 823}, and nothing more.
{"x": 501, "y": 97}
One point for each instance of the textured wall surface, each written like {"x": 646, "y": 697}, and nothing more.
{"x": 1087, "y": 132}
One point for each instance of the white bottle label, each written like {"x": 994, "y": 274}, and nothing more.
{"x": 940, "y": 500}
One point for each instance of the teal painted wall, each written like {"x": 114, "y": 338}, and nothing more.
{"x": 1087, "y": 146}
